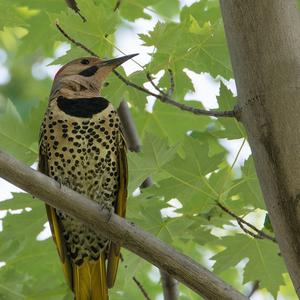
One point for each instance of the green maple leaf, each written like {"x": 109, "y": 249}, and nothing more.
{"x": 205, "y": 29}
{"x": 233, "y": 129}
{"x": 187, "y": 177}
{"x": 39, "y": 26}
{"x": 265, "y": 264}
{"x": 154, "y": 155}
{"x": 10, "y": 16}
{"x": 50, "y": 5}
{"x": 197, "y": 43}
{"x": 132, "y": 10}
{"x": 247, "y": 187}
{"x": 117, "y": 90}
{"x": 169, "y": 122}
{"x": 32, "y": 262}
{"x": 16, "y": 137}
{"x": 95, "y": 33}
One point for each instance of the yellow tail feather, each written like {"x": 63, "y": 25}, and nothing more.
{"x": 89, "y": 280}
{"x": 112, "y": 264}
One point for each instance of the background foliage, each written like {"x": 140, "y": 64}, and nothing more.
{"x": 182, "y": 152}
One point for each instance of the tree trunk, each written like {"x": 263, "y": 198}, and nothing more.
{"x": 264, "y": 42}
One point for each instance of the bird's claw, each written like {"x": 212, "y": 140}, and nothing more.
{"x": 110, "y": 211}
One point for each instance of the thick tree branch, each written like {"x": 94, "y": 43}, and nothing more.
{"x": 163, "y": 97}
{"x": 117, "y": 229}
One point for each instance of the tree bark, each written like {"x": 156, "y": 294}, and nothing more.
{"x": 117, "y": 229}
{"x": 170, "y": 286}
{"x": 264, "y": 43}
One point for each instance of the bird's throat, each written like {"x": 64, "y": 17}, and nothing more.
{"x": 82, "y": 107}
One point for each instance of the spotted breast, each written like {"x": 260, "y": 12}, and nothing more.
{"x": 81, "y": 143}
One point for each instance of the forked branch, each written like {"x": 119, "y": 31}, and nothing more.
{"x": 254, "y": 232}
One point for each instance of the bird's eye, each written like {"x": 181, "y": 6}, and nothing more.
{"x": 85, "y": 62}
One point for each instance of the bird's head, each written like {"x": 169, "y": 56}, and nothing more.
{"x": 86, "y": 72}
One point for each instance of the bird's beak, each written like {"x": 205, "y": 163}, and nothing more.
{"x": 115, "y": 62}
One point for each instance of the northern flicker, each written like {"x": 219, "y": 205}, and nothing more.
{"x": 81, "y": 146}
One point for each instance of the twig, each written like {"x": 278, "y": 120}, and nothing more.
{"x": 161, "y": 92}
{"x": 117, "y": 6}
{"x": 166, "y": 99}
{"x": 142, "y": 289}
{"x": 73, "y": 41}
{"x": 73, "y": 5}
{"x": 162, "y": 97}
{"x": 117, "y": 229}
{"x": 149, "y": 77}
{"x": 136, "y": 281}
{"x": 251, "y": 233}
{"x": 259, "y": 234}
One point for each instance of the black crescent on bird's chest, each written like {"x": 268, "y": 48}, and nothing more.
{"x": 82, "y": 107}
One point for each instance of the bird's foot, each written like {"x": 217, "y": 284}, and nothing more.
{"x": 110, "y": 210}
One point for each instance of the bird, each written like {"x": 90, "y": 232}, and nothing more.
{"x": 81, "y": 146}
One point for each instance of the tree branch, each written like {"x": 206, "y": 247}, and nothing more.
{"x": 117, "y": 6}
{"x": 142, "y": 289}
{"x": 130, "y": 132}
{"x": 117, "y": 229}
{"x": 78, "y": 44}
{"x": 162, "y": 96}
{"x": 259, "y": 234}
{"x": 170, "y": 286}
{"x": 73, "y": 5}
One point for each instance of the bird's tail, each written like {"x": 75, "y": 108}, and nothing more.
{"x": 89, "y": 280}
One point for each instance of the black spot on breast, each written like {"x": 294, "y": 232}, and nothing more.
{"x": 82, "y": 107}
{"x": 89, "y": 71}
